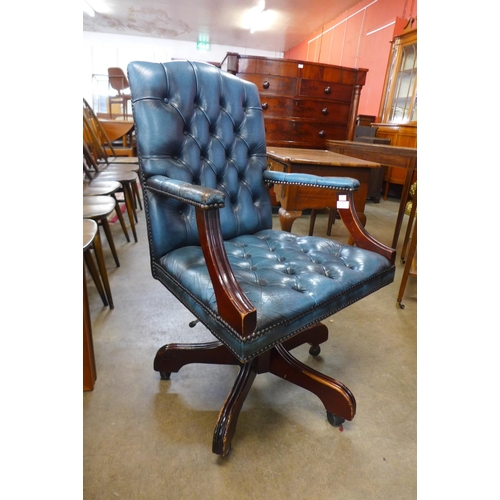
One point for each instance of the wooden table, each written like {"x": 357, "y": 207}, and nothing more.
{"x": 117, "y": 129}
{"x": 294, "y": 199}
{"x": 393, "y": 156}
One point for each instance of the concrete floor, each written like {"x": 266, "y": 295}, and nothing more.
{"x": 145, "y": 438}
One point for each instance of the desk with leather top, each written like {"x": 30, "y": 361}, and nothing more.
{"x": 295, "y": 198}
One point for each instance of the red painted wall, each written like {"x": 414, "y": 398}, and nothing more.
{"x": 360, "y": 38}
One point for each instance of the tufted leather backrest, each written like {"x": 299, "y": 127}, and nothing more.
{"x": 200, "y": 125}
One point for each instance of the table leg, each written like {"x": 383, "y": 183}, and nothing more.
{"x": 404, "y": 198}
{"x": 287, "y": 218}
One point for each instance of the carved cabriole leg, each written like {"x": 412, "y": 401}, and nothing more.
{"x": 172, "y": 357}
{"x": 228, "y": 416}
{"x": 287, "y": 218}
{"x": 334, "y": 395}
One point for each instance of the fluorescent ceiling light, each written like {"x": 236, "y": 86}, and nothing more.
{"x": 93, "y": 6}
{"x": 258, "y": 18}
{"x": 88, "y": 9}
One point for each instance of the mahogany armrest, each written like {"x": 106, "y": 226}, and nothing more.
{"x": 361, "y": 237}
{"x": 233, "y": 305}
{"x": 346, "y": 187}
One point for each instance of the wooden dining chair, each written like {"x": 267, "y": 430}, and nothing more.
{"x": 106, "y": 151}
{"x": 107, "y": 188}
{"x": 332, "y": 214}
{"x": 118, "y": 81}
{"x": 98, "y": 161}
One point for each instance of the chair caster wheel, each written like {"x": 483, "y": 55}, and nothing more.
{"x": 165, "y": 375}
{"x": 314, "y": 350}
{"x": 401, "y": 306}
{"x": 334, "y": 419}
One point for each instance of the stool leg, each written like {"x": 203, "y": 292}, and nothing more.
{"x": 95, "y": 275}
{"x": 129, "y": 203}
{"x": 102, "y": 267}
{"x": 107, "y": 230}
{"x": 135, "y": 189}
{"x": 120, "y": 218}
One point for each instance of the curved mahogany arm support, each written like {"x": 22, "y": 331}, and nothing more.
{"x": 345, "y": 186}
{"x": 234, "y": 306}
{"x": 361, "y": 237}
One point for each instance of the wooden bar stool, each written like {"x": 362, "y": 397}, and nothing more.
{"x": 109, "y": 188}
{"x": 127, "y": 179}
{"x": 98, "y": 208}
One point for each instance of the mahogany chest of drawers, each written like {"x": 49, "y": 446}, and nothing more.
{"x": 304, "y": 103}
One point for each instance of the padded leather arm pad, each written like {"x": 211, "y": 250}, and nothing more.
{"x": 199, "y": 196}
{"x": 337, "y": 183}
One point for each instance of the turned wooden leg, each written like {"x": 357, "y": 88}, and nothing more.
{"x": 335, "y": 396}
{"x": 172, "y": 357}
{"x": 228, "y": 416}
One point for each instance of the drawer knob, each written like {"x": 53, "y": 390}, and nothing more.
{"x": 266, "y": 84}
{"x": 322, "y": 134}
{"x": 264, "y": 105}
{"x": 324, "y": 111}
{"x": 328, "y": 90}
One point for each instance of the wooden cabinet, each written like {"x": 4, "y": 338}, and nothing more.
{"x": 304, "y": 103}
{"x": 399, "y": 98}
{"x": 398, "y": 108}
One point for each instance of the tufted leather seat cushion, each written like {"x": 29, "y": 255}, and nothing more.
{"x": 293, "y": 282}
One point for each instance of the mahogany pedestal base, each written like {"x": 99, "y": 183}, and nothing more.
{"x": 337, "y": 399}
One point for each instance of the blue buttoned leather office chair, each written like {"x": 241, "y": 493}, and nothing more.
{"x": 261, "y": 292}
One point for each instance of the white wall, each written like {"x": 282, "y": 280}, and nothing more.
{"x": 103, "y": 50}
